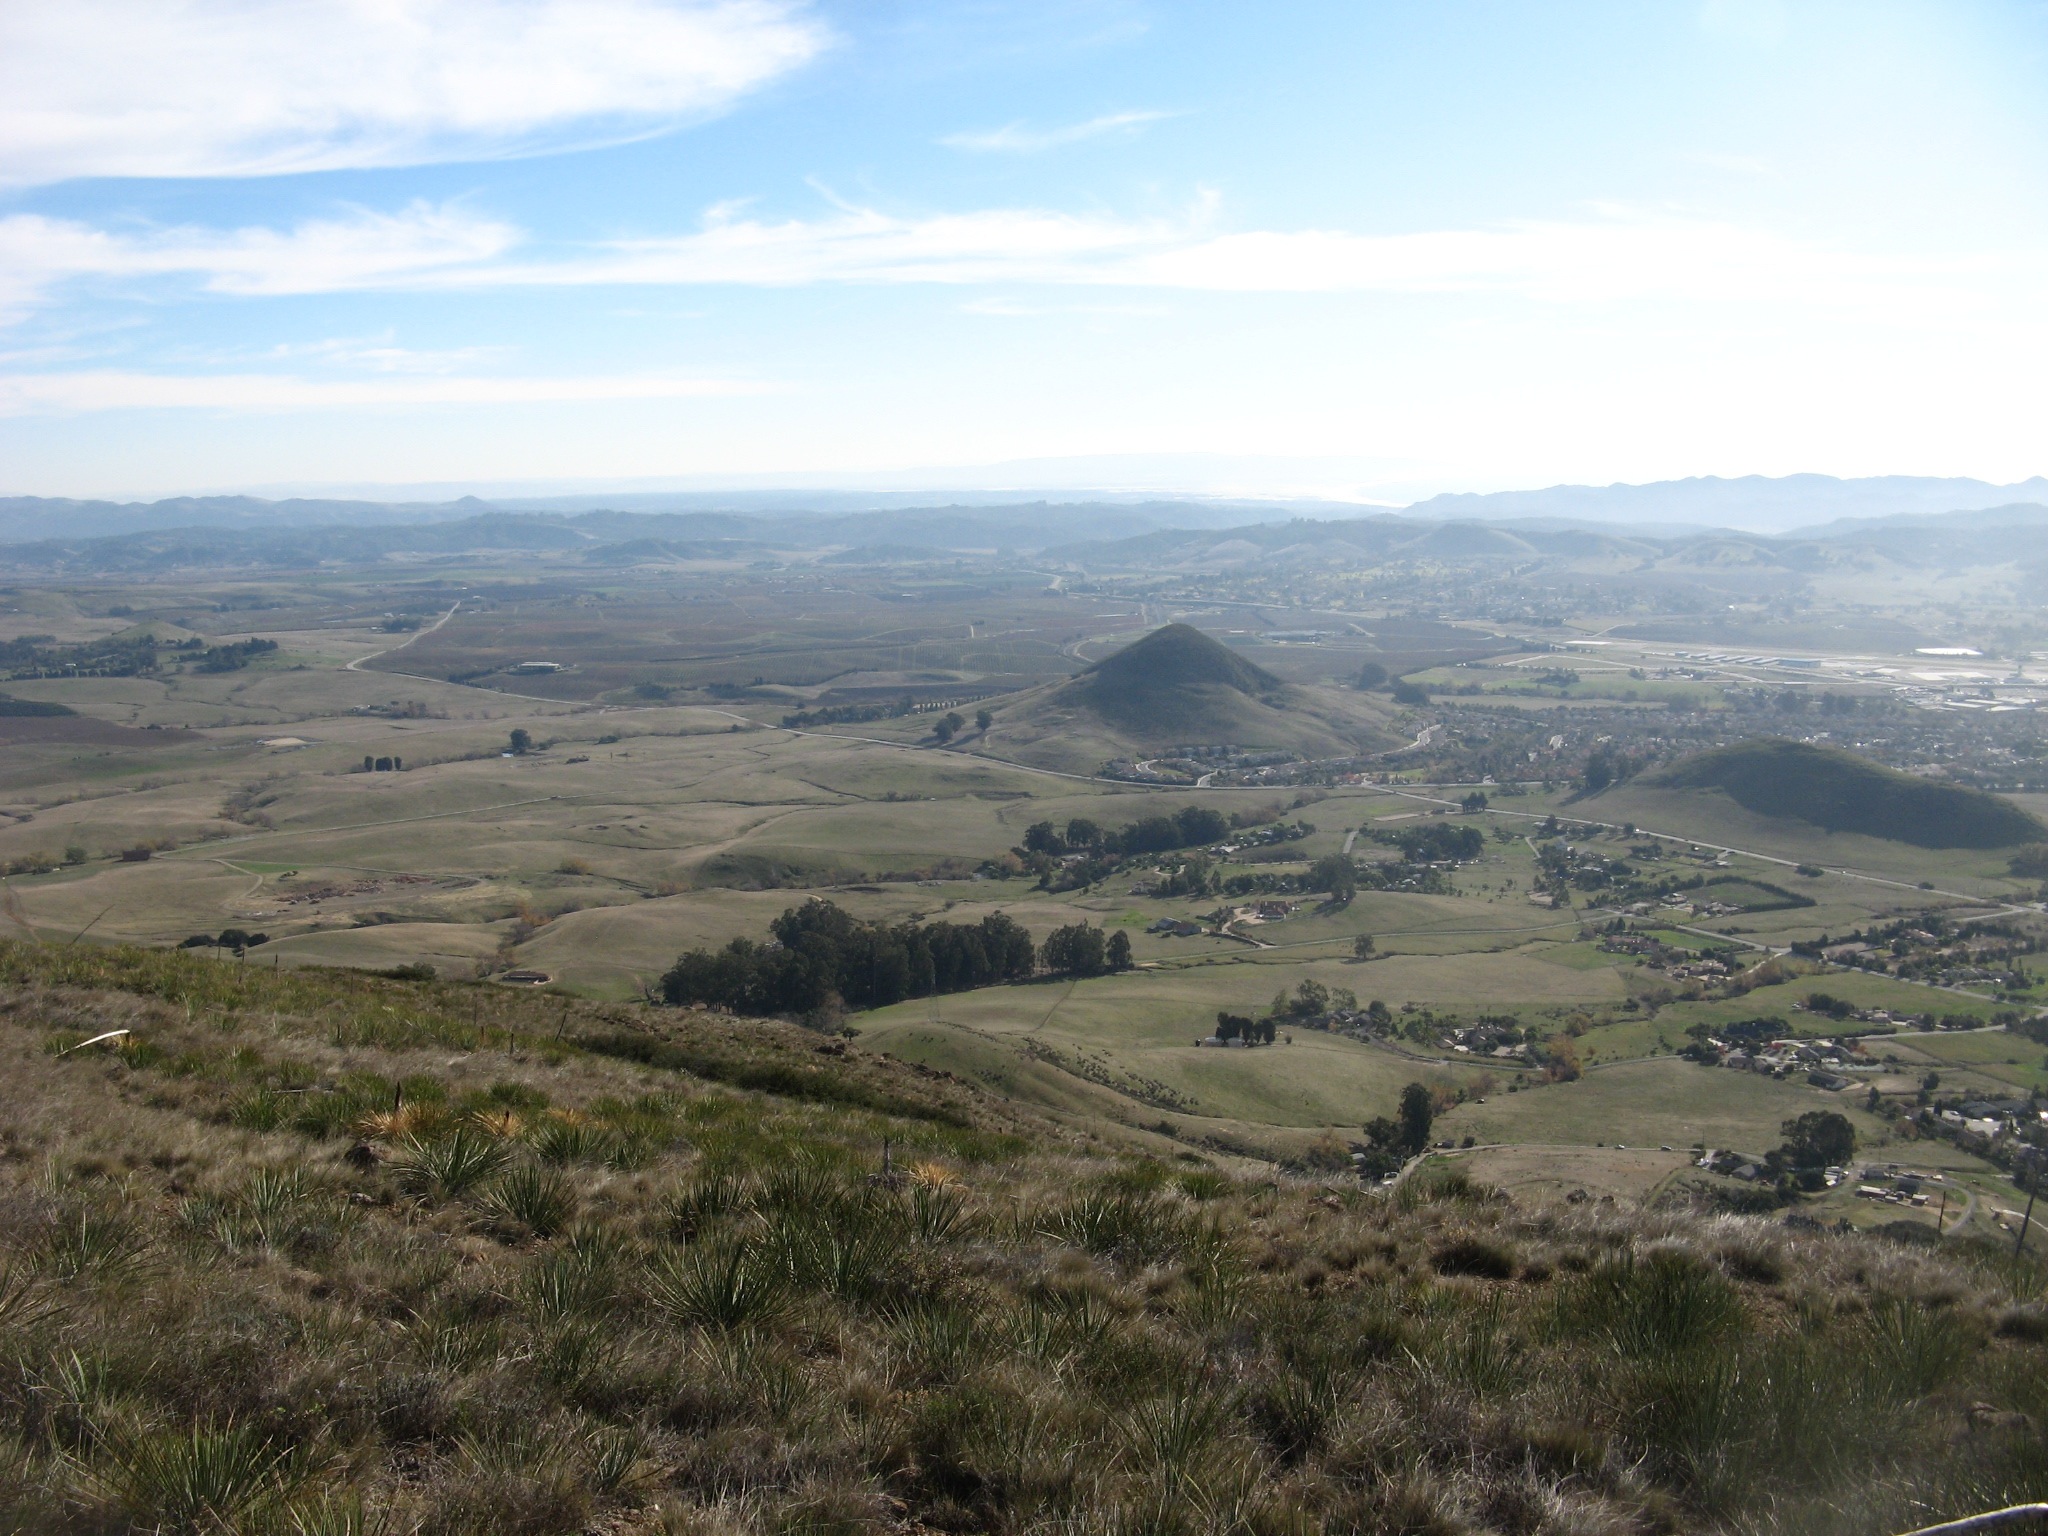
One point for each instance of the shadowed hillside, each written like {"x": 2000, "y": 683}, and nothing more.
{"x": 1177, "y": 656}
{"x": 1840, "y": 792}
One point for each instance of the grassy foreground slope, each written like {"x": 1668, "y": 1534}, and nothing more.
{"x": 311, "y": 1252}
{"x": 1840, "y": 792}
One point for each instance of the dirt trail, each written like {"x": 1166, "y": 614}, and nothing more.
{"x": 357, "y": 664}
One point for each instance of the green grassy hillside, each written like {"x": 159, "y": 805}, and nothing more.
{"x": 325, "y": 1254}
{"x": 1840, "y": 792}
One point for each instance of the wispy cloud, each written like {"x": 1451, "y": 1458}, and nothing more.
{"x": 361, "y": 250}
{"x": 1022, "y": 139}
{"x": 1608, "y": 256}
{"x": 260, "y": 87}
{"x": 1018, "y": 309}
{"x": 382, "y": 354}
{"x": 23, "y": 394}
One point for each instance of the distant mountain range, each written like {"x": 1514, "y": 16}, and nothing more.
{"x": 34, "y": 519}
{"x": 1791, "y": 504}
{"x": 1797, "y": 505}
{"x": 1676, "y": 523}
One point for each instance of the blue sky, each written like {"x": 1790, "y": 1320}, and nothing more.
{"x": 1362, "y": 249}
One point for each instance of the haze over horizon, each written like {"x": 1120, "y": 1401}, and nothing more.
{"x": 1352, "y": 253}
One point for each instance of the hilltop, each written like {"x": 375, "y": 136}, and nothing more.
{"x": 1174, "y": 656}
{"x": 313, "y": 1252}
{"x": 1840, "y": 792}
{"x": 1179, "y": 686}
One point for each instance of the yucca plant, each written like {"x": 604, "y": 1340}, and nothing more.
{"x": 200, "y": 1479}
{"x": 1913, "y": 1348}
{"x": 936, "y": 1211}
{"x": 1173, "y": 1432}
{"x": 23, "y": 1303}
{"x": 336, "y": 1516}
{"x": 261, "y": 1110}
{"x": 1654, "y": 1304}
{"x": 943, "y": 1343}
{"x": 729, "y": 1286}
{"x": 534, "y": 1196}
{"x": 92, "y": 1243}
{"x": 719, "y": 1192}
{"x": 274, "y": 1191}
{"x": 1204, "y": 1184}
{"x": 847, "y": 1246}
{"x": 613, "y": 1456}
{"x": 77, "y": 1393}
{"x": 1131, "y": 1227}
{"x": 565, "y": 1137}
{"x": 451, "y": 1166}
{"x": 567, "y": 1283}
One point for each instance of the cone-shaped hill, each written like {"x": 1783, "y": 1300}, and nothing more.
{"x": 1175, "y": 656}
{"x": 1840, "y": 792}
{"x": 1179, "y": 687}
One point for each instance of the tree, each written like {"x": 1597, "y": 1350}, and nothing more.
{"x": 522, "y": 743}
{"x": 1076, "y": 950}
{"x": 1406, "y": 692}
{"x": 1083, "y": 833}
{"x": 983, "y": 719}
{"x": 1417, "y": 1114}
{"x": 1310, "y": 999}
{"x": 1040, "y": 837}
{"x": 948, "y": 727}
{"x": 1117, "y": 953}
{"x": 823, "y": 956}
{"x": 1371, "y": 676}
{"x": 1820, "y": 1138}
{"x": 1473, "y": 803}
{"x": 1362, "y": 947}
{"x": 1334, "y": 873}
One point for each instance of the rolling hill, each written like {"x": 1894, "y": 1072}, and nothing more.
{"x": 1177, "y": 686}
{"x": 1840, "y": 792}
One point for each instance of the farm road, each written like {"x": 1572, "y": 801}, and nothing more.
{"x": 356, "y": 665}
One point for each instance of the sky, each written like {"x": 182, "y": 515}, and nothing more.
{"x": 1359, "y": 249}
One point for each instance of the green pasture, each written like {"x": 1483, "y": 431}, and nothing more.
{"x": 1657, "y": 1102}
